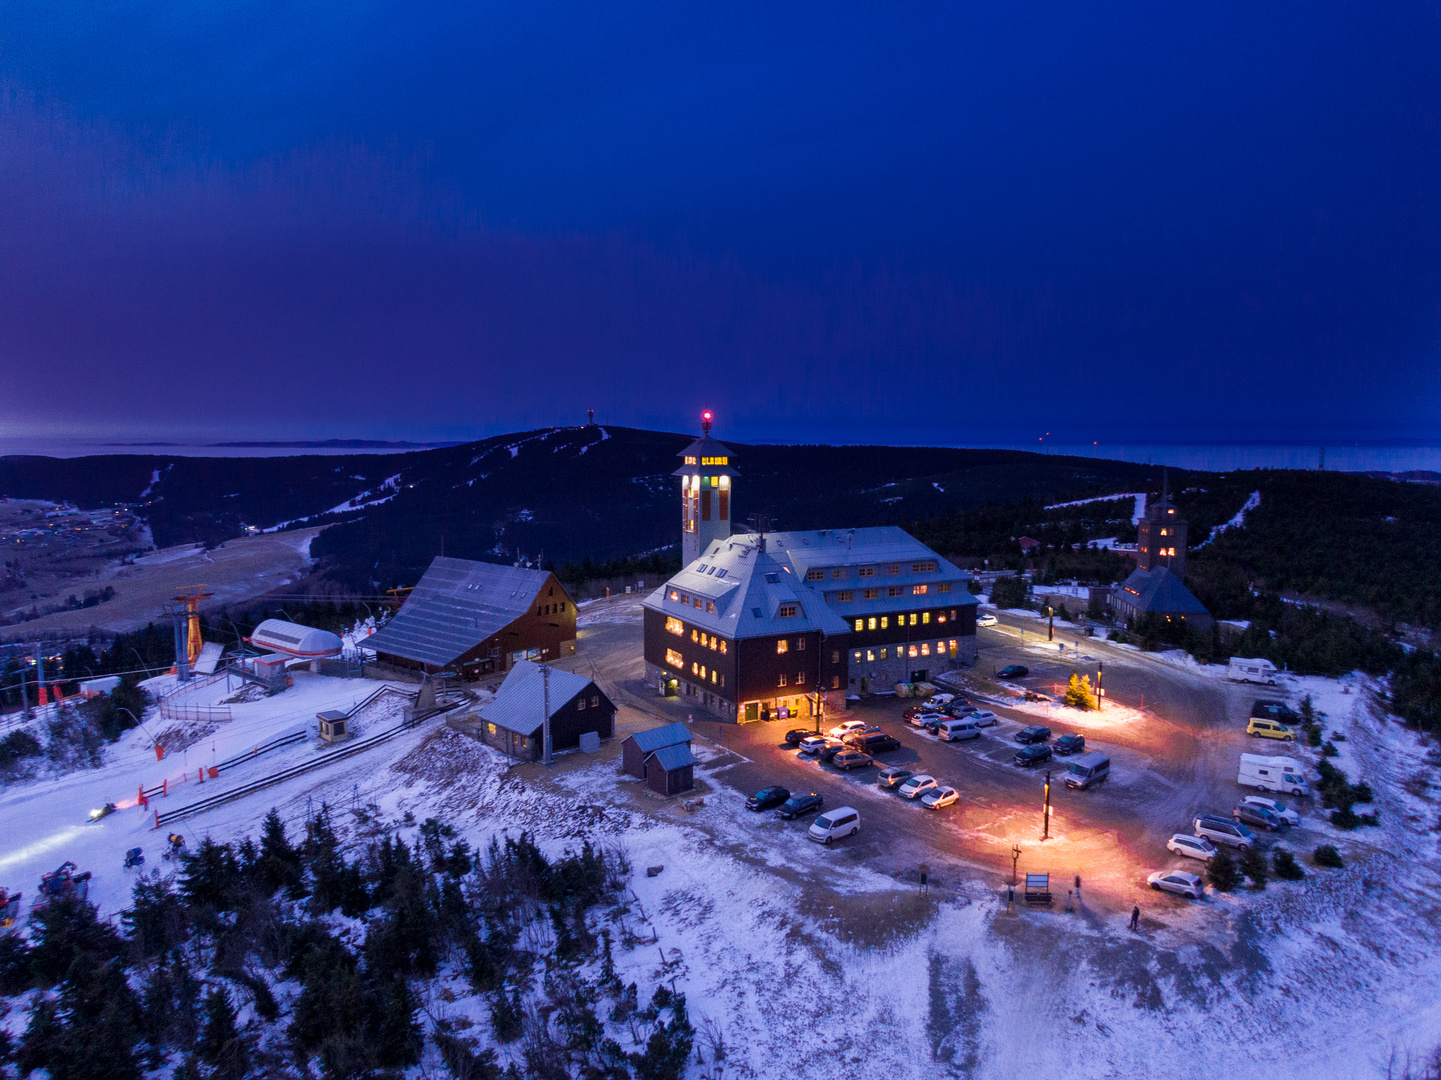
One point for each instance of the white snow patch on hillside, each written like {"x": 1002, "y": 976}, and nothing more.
{"x": 1238, "y": 520}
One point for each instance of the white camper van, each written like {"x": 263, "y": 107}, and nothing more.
{"x": 1273, "y": 774}
{"x": 1258, "y": 671}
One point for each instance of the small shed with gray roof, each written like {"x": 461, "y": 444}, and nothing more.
{"x": 513, "y": 722}
{"x": 638, "y": 746}
{"x": 670, "y": 770}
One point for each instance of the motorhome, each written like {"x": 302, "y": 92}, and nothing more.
{"x": 1273, "y": 774}
{"x": 1257, "y": 671}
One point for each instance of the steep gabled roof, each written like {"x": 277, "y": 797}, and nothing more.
{"x": 653, "y": 739}
{"x": 675, "y": 756}
{"x": 703, "y": 449}
{"x": 742, "y": 592}
{"x": 457, "y": 604}
{"x": 1160, "y": 591}
{"x": 519, "y": 704}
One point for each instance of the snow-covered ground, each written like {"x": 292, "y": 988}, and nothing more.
{"x": 809, "y": 963}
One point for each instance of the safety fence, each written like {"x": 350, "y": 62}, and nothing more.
{"x": 172, "y": 709}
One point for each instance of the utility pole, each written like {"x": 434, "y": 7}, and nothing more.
{"x": 545, "y": 707}
{"x": 1015, "y": 858}
{"x": 1100, "y": 690}
{"x": 1050, "y": 623}
{"x": 1046, "y": 819}
{"x": 39, "y": 675}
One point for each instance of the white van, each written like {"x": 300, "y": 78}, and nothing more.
{"x": 1273, "y": 774}
{"x": 1257, "y": 671}
{"x": 956, "y": 730}
{"x": 834, "y": 824}
{"x": 1088, "y": 769}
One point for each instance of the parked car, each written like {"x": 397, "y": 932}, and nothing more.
{"x": 835, "y": 824}
{"x": 872, "y": 742}
{"x": 1179, "y": 882}
{"x": 959, "y": 708}
{"x": 927, "y": 719}
{"x": 847, "y": 760}
{"x": 1274, "y": 710}
{"x": 956, "y": 730}
{"x": 917, "y": 786}
{"x": 1193, "y": 847}
{"x": 1276, "y": 806}
{"x": 892, "y": 778}
{"x": 1069, "y": 744}
{"x": 1013, "y": 671}
{"x": 830, "y": 750}
{"x": 795, "y": 735}
{"x": 938, "y": 701}
{"x": 1221, "y": 830}
{"x": 1269, "y": 729}
{"x": 1035, "y": 733}
{"x": 840, "y": 731}
{"x": 767, "y": 798}
{"x": 939, "y": 797}
{"x": 986, "y": 620}
{"x": 1259, "y": 816}
{"x": 1088, "y": 770}
{"x": 814, "y": 744}
{"x": 799, "y": 804}
{"x": 1032, "y": 755}
{"x": 984, "y": 718}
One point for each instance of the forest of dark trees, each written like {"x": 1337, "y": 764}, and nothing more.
{"x": 283, "y": 959}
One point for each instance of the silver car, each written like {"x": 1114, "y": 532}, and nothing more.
{"x": 1193, "y": 847}
{"x": 1276, "y": 806}
{"x": 917, "y": 786}
{"x": 1179, "y": 882}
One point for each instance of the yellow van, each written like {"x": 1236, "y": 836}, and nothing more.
{"x": 1260, "y": 728}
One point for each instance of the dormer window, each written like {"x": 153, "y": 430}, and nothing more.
{"x": 787, "y": 611}
{"x": 674, "y": 595}
{"x": 773, "y": 579}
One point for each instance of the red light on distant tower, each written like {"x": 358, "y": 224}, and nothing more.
{"x": 705, "y": 419}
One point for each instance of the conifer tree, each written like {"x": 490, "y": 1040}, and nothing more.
{"x": 323, "y": 860}
{"x": 220, "y": 1045}
{"x": 1222, "y": 871}
{"x": 279, "y": 865}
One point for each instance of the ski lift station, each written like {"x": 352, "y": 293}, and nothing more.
{"x": 295, "y": 642}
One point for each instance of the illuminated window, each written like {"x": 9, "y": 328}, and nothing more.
{"x": 925, "y": 648}
{"x": 866, "y": 571}
{"x": 944, "y": 586}
{"x": 835, "y": 656}
{"x": 885, "y": 621}
{"x": 953, "y": 614}
{"x": 710, "y": 607}
{"x": 702, "y": 671}
{"x": 712, "y": 675}
{"x": 871, "y": 594}
{"x": 919, "y": 590}
{"x": 714, "y": 644}
{"x": 860, "y": 624}
{"x": 695, "y": 635}
{"x": 696, "y": 602}
{"x": 674, "y": 595}
{"x": 835, "y": 682}
{"x": 674, "y": 659}
{"x": 913, "y": 618}
{"x": 689, "y": 461}
{"x": 871, "y": 623}
{"x": 941, "y": 618}
{"x": 787, "y": 611}
{"x": 675, "y": 626}
{"x": 844, "y": 598}
{"x": 914, "y": 650}
{"x": 857, "y": 655}
{"x": 1163, "y": 532}
{"x": 723, "y": 647}
{"x": 870, "y": 654}
{"x": 694, "y": 667}
{"x": 781, "y": 681}
{"x": 925, "y": 616}
{"x": 490, "y": 728}
{"x": 883, "y": 654}
{"x": 782, "y": 646}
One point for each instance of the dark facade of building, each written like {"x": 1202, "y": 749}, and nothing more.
{"x": 1157, "y": 585}
{"x": 1161, "y": 539}
{"x": 635, "y": 748}
{"x": 478, "y": 619}
{"x": 670, "y": 770}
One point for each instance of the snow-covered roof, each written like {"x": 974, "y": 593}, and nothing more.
{"x": 284, "y": 636}
{"x": 1160, "y": 591}
{"x": 737, "y": 590}
{"x": 519, "y": 704}
{"x": 456, "y": 605}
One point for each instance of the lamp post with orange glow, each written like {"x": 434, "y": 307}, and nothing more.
{"x": 1046, "y": 814}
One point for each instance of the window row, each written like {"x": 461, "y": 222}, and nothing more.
{"x": 594, "y": 702}
{"x": 800, "y": 680}
{"x": 717, "y": 678}
{"x": 845, "y": 596}
{"x": 783, "y": 645}
{"x": 710, "y": 641}
{"x": 901, "y": 652}
{"x": 550, "y": 609}
{"x": 697, "y": 602}
{"x": 883, "y": 622}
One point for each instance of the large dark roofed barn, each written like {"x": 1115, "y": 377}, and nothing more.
{"x": 478, "y": 618}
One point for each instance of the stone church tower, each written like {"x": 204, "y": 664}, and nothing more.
{"x": 705, "y": 490}
{"x": 1161, "y": 539}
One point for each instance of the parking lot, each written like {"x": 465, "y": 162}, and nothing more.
{"x": 1174, "y": 738}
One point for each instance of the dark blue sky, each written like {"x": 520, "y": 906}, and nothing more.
{"x": 945, "y": 223}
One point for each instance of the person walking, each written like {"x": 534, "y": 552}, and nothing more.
{"x": 1135, "y": 917}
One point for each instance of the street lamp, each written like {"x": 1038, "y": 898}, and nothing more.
{"x": 1046, "y": 813}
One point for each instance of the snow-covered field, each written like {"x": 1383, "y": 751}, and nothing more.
{"x": 810, "y": 964}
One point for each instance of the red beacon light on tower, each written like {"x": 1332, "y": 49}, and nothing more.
{"x": 705, "y": 420}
